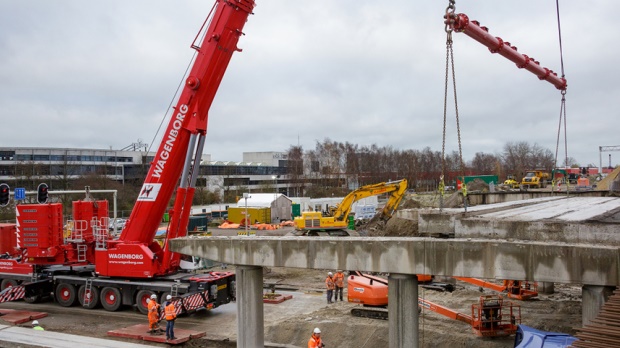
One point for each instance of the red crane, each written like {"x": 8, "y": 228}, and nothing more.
{"x": 178, "y": 157}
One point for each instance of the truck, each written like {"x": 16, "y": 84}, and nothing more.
{"x": 84, "y": 263}
{"x": 535, "y": 179}
{"x": 310, "y": 221}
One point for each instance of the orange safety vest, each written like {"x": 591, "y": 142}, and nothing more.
{"x": 314, "y": 342}
{"x": 170, "y": 312}
{"x": 153, "y": 308}
{"x": 329, "y": 283}
{"x": 339, "y": 278}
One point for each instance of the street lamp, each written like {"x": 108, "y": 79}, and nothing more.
{"x": 274, "y": 177}
{"x": 246, "y": 196}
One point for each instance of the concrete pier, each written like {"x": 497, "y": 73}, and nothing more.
{"x": 403, "y": 309}
{"x": 250, "y": 321}
{"x": 546, "y": 288}
{"x": 592, "y": 300}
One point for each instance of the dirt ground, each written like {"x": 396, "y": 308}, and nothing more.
{"x": 560, "y": 312}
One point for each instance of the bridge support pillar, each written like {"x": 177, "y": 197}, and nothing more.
{"x": 250, "y": 321}
{"x": 403, "y": 309}
{"x": 546, "y": 288}
{"x": 593, "y": 297}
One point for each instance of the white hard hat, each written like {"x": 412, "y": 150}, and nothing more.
{"x": 153, "y": 297}
{"x": 169, "y": 297}
{"x": 317, "y": 330}
{"x": 35, "y": 322}
{"x": 329, "y": 273}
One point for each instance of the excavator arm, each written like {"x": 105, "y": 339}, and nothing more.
{"x": 396, "y": 188}
{"x": 338, "y": 221}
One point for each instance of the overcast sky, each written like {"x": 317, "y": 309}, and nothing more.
{"x": 102, "y": 74}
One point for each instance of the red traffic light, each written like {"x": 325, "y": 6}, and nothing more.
{"x": 5, "y": 194}
{"x": 42, "y": 193}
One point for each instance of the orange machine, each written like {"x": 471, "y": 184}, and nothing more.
{"x": 490, "y": 317}
{"x": 515, "y": 289}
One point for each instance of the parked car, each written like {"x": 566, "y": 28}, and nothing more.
{"x": 117, "y": 224}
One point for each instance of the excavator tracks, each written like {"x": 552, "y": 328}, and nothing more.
{"x": 372, "y": 313}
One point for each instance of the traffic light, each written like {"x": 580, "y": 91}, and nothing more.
{"x": 42, "y": 193}
{"x": 5, "y": 194}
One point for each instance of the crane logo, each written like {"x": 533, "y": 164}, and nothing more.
{"x": 168, "y": 145}
{"x": 149, "y": 192}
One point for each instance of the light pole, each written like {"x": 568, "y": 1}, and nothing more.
{"x": 275, "y": 178}
{"x": 246, "y": 196}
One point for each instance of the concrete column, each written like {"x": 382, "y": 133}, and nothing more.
{"x": 547, "y": 288}
{"x": 403, "y": 310}
{"x": 250, "y": 321}
{"x": 593, "y": 297}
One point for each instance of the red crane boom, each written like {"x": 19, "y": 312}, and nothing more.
{"x": 178, "y": 157}
{"x": 461, "y": 23}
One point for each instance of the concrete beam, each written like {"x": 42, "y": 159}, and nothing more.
{"x": 488, "y": 259}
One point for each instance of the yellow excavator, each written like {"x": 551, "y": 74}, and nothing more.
{"x": 315, "y": 221}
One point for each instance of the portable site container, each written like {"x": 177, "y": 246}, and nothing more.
{"x": 488, "y": 179}
{"x": 197, "y": 224}
{"x": 255, "y": 214}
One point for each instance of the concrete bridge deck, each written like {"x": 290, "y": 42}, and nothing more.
{"x": 589, "y": 220}
{"x": 480, "y": 258}
{"x": 552, "y": 239}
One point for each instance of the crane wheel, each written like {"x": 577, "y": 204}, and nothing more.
{"x": 111, "y": 299}
{"x": 66, "y": 294}
{"x": 141, "y": 298}
{"x": 7, "y": 283}
{"x": 88, "y": 299}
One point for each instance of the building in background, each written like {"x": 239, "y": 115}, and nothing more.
{"x": 29, "y": 166}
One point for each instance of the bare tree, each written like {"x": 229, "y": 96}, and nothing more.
{"x": 484, "y": 163}
{"x": 295, "y": 169}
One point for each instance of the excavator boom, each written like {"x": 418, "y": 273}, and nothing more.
{"x": 338, "y": 220}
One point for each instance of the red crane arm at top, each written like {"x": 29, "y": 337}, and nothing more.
{"x": 461, "y": 23}
{"x": 189, "y": 118}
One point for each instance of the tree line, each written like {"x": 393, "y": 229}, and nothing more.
{"x": 334, "y": 162}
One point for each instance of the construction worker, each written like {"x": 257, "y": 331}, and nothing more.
{"x": 153, "y": 314}
{"x": 315, "y": 339}
{"x": 339, "y": 281}
{"x": 329, "y": 284}
{"x": 36, "y": 326}
{"x": 171, "y": 316}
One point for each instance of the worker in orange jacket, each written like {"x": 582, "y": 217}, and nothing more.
{"x": 153, "y": 315}
{"x": 329, "y": 284}
{"x": 171, "y": 316}
{"x": 339, "y": 280}
{"x": 315, "y": 339}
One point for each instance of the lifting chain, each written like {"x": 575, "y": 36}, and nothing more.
{"x": 562, "y": 113}
{"x": 450, "y": 15}
{"x": 450, "y": 64}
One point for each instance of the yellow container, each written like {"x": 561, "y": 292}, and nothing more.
{"x": 237, "y": 214}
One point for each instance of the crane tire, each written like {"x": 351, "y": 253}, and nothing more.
{"x": 111, "y": 299}
{"x": 94, "y": 300}
{"x": 66, "y": 294}
{"x": 141, "y": 298}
